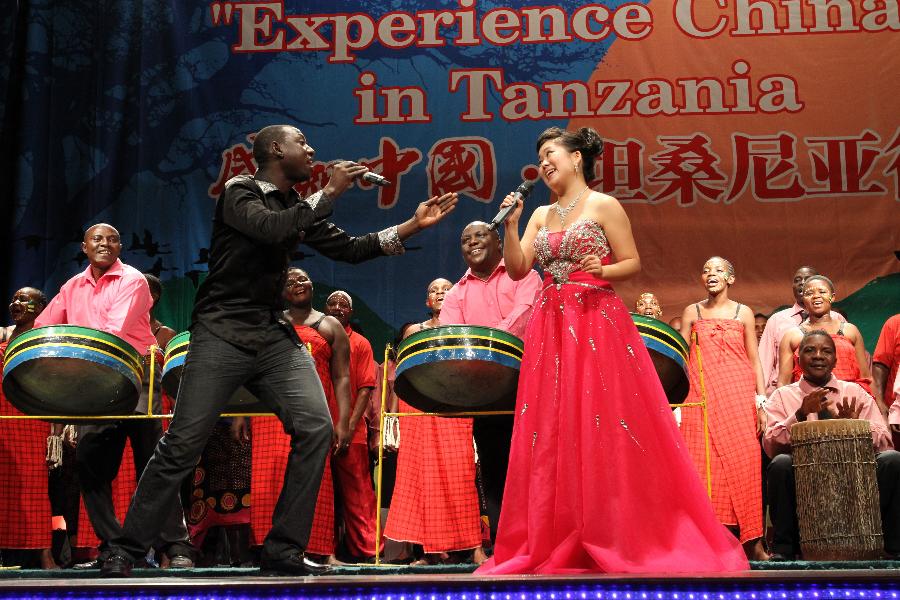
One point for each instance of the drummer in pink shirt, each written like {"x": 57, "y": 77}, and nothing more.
{"x": 114, "y": 297}
{"x": 488, "y": 297}
{"x": 109, "y": 295}
{"x": 779, "y": 323}
{"x": 818, "y": 394}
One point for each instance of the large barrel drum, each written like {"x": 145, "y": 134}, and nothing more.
{"x": 669, "y": 353}
{"x": 459, "y": 368}
{"x": 837, "y": 493}
{"x": 173, "y": 364}
{"x": 66, "y": 370}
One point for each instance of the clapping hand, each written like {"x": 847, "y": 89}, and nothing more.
{"x": 813, "y": 402}
{"x": 848, "y": 408}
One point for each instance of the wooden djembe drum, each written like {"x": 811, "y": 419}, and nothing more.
{"x": 837, "y": 494}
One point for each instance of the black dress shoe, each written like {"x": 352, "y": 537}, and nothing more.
{"x": 297, "y": 565}
{"x": 116, "y": 566}
{"x": 180, "y": 561}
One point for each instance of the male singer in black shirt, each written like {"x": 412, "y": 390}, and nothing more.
{"x": 238, "y": 338}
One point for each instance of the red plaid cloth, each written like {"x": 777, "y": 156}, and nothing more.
{"x": 271, "y": 447}
{"x": 24, "y": 503}
{"x": 734, "y": 448}
{"x": 435, "y": 502}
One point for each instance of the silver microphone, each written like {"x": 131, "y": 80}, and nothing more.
{"x": 375, "y": 178}
{"x": 521, "y": 193}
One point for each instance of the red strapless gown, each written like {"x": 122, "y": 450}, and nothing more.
{"x": 599, "y": 477}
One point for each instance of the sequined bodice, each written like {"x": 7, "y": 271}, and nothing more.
{"x": 559, "y": 252}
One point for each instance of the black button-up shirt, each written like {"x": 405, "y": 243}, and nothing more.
{"x": 255, "y": 230}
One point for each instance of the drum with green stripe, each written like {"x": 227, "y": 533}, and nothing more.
{"x": 66, "y": 370}
{"x": 459, "y": 368}
{"x": 669, "y": 353}
{"x": 243, "y": 401}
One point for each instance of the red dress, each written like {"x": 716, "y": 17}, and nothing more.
{"x": 435, "y": 501}
{"x": 734, "y": 448}
{"x": 599, "y": 477}
{"x": 24, "y": 503}
{"x": 271, "y": 447}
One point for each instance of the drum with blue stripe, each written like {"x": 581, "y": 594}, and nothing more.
{"x": 173, "y": 362}
{"x": 66, "y": 370}
{"x": 669, "y": 353}
{"x": 459, "y": 368}
{"x": 243, "y": 401}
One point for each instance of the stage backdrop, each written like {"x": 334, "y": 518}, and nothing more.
{"x": 764, "y": 131}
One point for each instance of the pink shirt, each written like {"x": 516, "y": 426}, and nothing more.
{"x": 118, "y": 303}
{"x": 786, "y": 400}
{"x": 777, "y": 325}
{"x": 499, "y": 302}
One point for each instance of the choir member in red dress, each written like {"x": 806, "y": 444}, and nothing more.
{"x": 24, "y": 503}
{"x": 722, "y": 337}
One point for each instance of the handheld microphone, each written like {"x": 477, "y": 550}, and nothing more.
{"x": 369, "y": 176}
{"x": 375, "y": 178}
{"x": 521, "y": 192}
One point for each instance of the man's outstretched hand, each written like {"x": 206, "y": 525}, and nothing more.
{"x": 434, "y": 209}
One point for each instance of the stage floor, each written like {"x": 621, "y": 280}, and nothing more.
{"x": 767, "y": 581}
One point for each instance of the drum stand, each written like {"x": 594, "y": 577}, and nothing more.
{"x": 703, "y": 405}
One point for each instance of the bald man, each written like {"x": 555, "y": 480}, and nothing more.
{"x": 487, "y": 296}
{"x": 114, "y": 297}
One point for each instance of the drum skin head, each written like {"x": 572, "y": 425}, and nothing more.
{"x": 65, "y": 370}
{"x": 243, "y": 401}
{"x": 458, "y": 368}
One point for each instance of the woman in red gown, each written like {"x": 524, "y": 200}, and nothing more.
{"x": 330, "y": 349}
{"x": 599, "y": 478}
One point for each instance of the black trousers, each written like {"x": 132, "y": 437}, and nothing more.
{"x": 98, "y": 457}
{"x": 783, "y": 502}
{"x": 493, "y": 435}
{"x": 281, "y": 374}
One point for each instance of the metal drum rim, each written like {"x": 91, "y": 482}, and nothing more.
{"x": 405, "y": 355}
{"x": 115, "y": 364}
{"x": 657, "y": 325}
{"x": 77, "y": 330}
{"x": 167, "y": 363}
{"x": 71, "y": 341}
{"x": 178, "y": 338}
{"x": 675, "y": 355}
{"x": 468, "y": 331}
{"x": 515, "y": 362}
